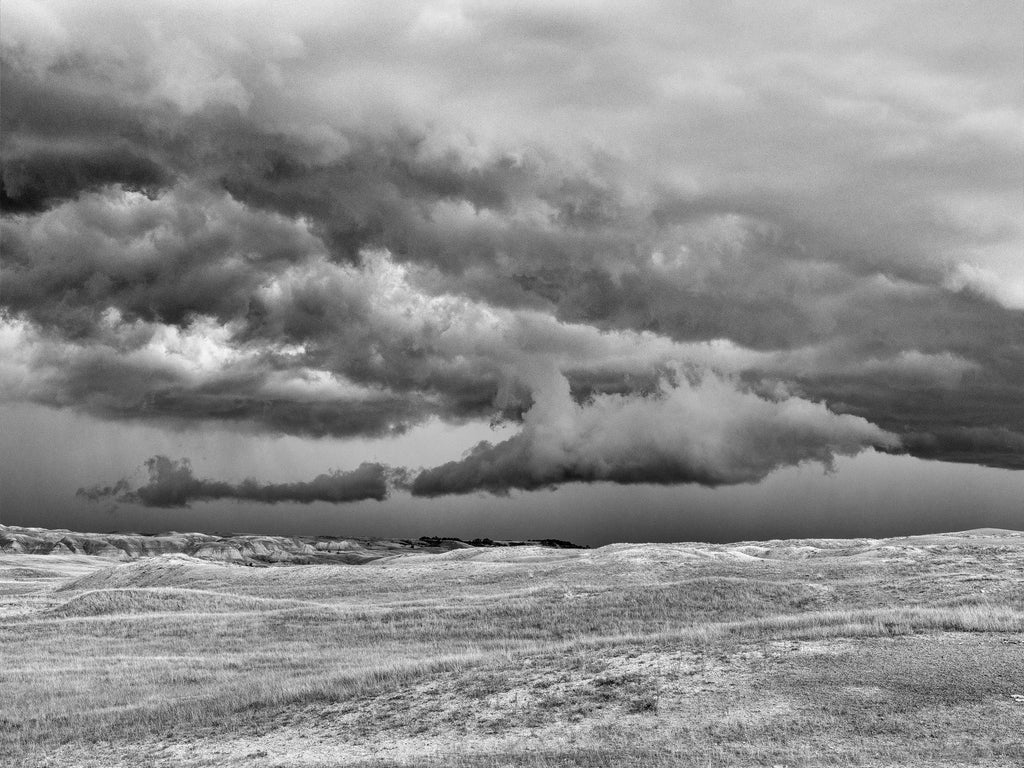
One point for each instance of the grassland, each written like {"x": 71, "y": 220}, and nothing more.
{"x": 797, "y": 653}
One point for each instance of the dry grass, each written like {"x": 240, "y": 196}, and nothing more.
{"x": 868, "y": 653}
{"x": 105, "y": 602}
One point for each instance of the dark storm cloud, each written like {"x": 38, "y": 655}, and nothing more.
{"x": 99, "y": 492}
{"x": 172, "y": 484}
{"x": 326, "y": 223}
{"x": 705, "y": 432}
{"x": 159, "y": 377}
{"x": 991, "y": 446}
{"x": 165, "y": 259}
{"x": 66, "y": 138}
{"x": 31, "y": 183}
{"x": 58, "y": 141}
{"x": 213, "y": 248}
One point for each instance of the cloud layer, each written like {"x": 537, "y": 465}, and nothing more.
{"x": 172, "y": 484}
{"x": 327, "y": 221}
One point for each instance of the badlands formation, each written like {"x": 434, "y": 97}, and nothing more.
{"x": 243, "y": 549}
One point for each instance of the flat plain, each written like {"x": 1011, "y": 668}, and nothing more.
{"x": 905, "y": 651}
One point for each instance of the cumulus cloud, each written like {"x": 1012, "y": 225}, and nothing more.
{"x": 173, "y": 484}
{"x": 705, "y": 431}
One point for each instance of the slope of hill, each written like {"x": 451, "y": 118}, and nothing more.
{"x": 811, "y": 652}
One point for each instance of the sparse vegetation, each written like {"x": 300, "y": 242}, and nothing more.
{"x": 797, "y": 654}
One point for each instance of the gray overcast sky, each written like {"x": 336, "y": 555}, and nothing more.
{"x": 580, "y": 270}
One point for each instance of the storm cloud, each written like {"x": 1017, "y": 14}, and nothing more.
{"x": 348, "y": 223}
{"x": 173, "y": 484}
{"x": 704, "y": 431}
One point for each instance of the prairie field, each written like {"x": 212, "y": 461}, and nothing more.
{"x": 906, "y": 651}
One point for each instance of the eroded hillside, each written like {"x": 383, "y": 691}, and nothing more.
{"x": 243, "y": 549}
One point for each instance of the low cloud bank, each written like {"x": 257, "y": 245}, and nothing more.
{"x": 172, "y": 484}
{"x": 994, "y": 447}
{"x": 702, "y": 431}
{"x": 699, "y": 429}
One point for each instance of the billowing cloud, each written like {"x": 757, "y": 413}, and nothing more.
{"x": 704, "y": 431}
{"x": 345, "y": 223}
{"x": 172, "y": 484}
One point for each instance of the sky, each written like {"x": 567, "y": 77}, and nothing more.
{"x": 593, "y": 271}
